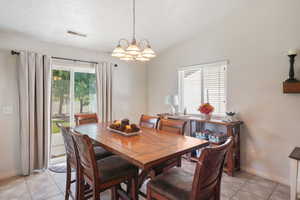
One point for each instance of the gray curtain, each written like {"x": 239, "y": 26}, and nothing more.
{"x": 34, "y": 82}
{"x": 104, "y": 77}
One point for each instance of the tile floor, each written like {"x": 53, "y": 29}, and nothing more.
{"x": 50, "y": 186}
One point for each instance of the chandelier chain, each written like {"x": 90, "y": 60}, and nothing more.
{"x": 133, "y": 7}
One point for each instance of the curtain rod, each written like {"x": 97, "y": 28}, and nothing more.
{"x": 60, "y": 58}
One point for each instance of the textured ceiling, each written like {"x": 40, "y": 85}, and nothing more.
{"x": 163, "y": 22}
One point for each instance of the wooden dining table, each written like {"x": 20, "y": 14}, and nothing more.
{"x": 145, "y": 150}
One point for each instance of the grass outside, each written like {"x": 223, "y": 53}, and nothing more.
{"x": 55, "y": 128}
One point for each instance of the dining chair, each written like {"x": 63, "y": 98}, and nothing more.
{"x": 70, "y": 159}
{"x": 148, "y": 121}
{"x": 84, "y": 118}
{"x": 100, "y": 175}
{"x": 71, "y": 162}
{"x": 171, "y": 126}
{"x": 205, "y": 184}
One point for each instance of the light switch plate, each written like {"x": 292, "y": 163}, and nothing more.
{"x": 7, "y": 109}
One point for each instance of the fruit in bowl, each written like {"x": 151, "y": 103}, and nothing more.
{"x": 125, "y": 122}
{"x": 135, "y": 128}
{"x": 116, "y": 125}
{"x": 124, "y": 126}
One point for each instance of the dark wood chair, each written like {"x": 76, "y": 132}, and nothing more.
{"x": 71, "y": 158}
{"x": 148, "y": 121}
{"x": 205, "y": 184}
{"x": 100, "y": 175}
{"x": 172, "y": 126}
{"x": 83, "y": 118}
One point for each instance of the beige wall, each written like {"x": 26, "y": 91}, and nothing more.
{"x": 255, "y": 41}
{"x": 9, "y": 151}
{"x": 129, "y": 82}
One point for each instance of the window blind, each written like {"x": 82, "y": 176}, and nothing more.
{"x": 192, "y": 92}
{"x": 214, "y": 85}
{"x": 201, "y": 83}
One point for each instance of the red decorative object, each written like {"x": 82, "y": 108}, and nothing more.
{"x": 206, "y": 109}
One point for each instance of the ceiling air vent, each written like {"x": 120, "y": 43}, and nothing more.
{"x": 76, "y": 33}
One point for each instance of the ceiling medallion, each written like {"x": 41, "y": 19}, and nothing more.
{"x": 134, "y": 51}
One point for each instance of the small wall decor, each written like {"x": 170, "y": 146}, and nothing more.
{"x": 292, "y": 54}
{"x": 291, "y": 85}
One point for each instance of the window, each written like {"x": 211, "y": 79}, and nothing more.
{"x": 201, "y": 83}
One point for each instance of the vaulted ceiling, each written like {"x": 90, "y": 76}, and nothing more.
{"x": 163, "y": 22}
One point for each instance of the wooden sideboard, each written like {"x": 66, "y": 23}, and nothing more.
{"x": 230, "y": 129}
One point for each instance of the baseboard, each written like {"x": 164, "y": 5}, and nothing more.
{"x": 12, "y": 173}
{"x": 9, "y": 174}
{"x": 266, "y": 176}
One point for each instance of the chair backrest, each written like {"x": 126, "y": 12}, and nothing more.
{"x": 148, "y": 121}
{"x": 85, "y": 156}
{"x": 83, "y": 118}
{"x": 172, "y": 125}
{"x": 209, "y": 169}
{"x": 68, "y": 142}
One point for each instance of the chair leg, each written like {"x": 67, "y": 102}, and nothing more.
{"x": 128, "y": 186}
{"x": 152, "y": 174}
{"x": 218, "y": 191}
{"x": 148, "y": 192}
{"x": 68, "y": 181}
{"x": 114, "y": 193}
{"x": 96, "y": 194}
{"x": 179, "y": 162}
{"x": 79, "y": 186}
{"x": 134, "y": 188}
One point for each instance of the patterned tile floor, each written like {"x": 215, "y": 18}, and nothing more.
{"x": 50, "y": 186}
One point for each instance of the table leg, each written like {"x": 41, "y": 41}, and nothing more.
{"x": 238, "y": 150}
{"x": 293, "y": 178}
{"x": 230, "y": 163}
{"x": 230, "y": 155}
{"x": 142, "y": 177}
{"x": 144, "y": 174}
{"x": 189, "y": 155}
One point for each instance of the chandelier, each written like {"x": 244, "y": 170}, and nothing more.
{"x": 140, "y": 51}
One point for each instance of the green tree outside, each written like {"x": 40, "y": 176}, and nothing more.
{"x": 84, "y": 87}
{"x": 60, "y": 87}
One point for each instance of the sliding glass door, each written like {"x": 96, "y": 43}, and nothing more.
{"x": 73, "y": 91}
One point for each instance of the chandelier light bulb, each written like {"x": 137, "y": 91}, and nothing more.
{"x": 133, "y": 49}
{"x": 127, "y": 57}
{"x": 148, "y": 52}
{"x": 118, "y": 52}
{"x": 140, "y": 57}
